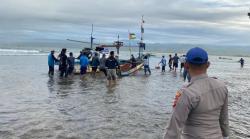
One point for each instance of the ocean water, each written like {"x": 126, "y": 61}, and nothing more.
{"x": 35, "y": 106}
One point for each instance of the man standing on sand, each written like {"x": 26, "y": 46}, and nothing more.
{"x": 111, "y": 64}
{"x": 175, "y": 62}
{"x": 51, "y": 62}
{"x": 200, "y": 109}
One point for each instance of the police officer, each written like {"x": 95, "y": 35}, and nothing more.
{"x": 200, "y": 109}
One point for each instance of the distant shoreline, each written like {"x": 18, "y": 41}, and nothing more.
{"x": 44, "y": 47}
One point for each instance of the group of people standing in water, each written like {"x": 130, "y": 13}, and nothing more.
{"x": 173, "y": 63}
{"x": 200, "y": 108}
{"x": 66, "y": 64}
{"x": 110, "y": 65}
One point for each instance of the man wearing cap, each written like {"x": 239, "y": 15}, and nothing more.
{"x": 51, "y": 62}
{"x": 200, "y": 110}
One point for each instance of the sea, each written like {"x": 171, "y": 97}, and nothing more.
{"x": 36, "y": 106}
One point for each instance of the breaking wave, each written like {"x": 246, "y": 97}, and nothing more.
{"x": 11, "y": 52}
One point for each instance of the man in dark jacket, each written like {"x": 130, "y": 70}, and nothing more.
{"x": 63, "y": 63}
{"x": 111, "y": 64}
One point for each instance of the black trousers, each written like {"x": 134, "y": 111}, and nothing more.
{"x": 51, "y": 70}
{"x": 63, "y": 72}
{"x": 70, "y": 70}
{"x": 163, "y": 68}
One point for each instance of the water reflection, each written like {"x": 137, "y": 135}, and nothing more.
{"x": 137, "y": 107}
{"x": 50, "y": 84}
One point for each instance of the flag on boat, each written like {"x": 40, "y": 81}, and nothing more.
{"x": 132, "y": 36}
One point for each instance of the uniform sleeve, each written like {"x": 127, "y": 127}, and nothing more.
{"x": 224, "y": 123}
{"x": 179, "y": 117}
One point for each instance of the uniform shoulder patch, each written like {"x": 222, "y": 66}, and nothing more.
{"x": 177, "y": 96}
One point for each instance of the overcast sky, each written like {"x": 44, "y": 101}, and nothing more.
{"x": 167, "y": 21}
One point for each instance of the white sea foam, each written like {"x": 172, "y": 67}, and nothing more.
{"x": 19, "y": 51}
{"x": 10, "y": 52}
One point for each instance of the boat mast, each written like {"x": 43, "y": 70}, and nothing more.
{"x": 118, "y": 44}
{"x": 142, "y": 29}
{"x": 91, "y": 38}
{"x": 141, "y": 44}
{"x": 118, "y": 47}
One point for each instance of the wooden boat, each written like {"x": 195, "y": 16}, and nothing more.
{"x": 125, "y": 65}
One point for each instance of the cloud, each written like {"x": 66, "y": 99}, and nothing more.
{"x": 186, "y": 21}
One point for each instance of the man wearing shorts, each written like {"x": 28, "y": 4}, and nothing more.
{"x": 111, "y": 64}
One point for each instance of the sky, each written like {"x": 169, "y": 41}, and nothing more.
{"x": 166, "y": 21}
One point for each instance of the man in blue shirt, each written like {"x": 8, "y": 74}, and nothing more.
{"x": 84, "y": 62}
{"x": 51, "y": 62}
